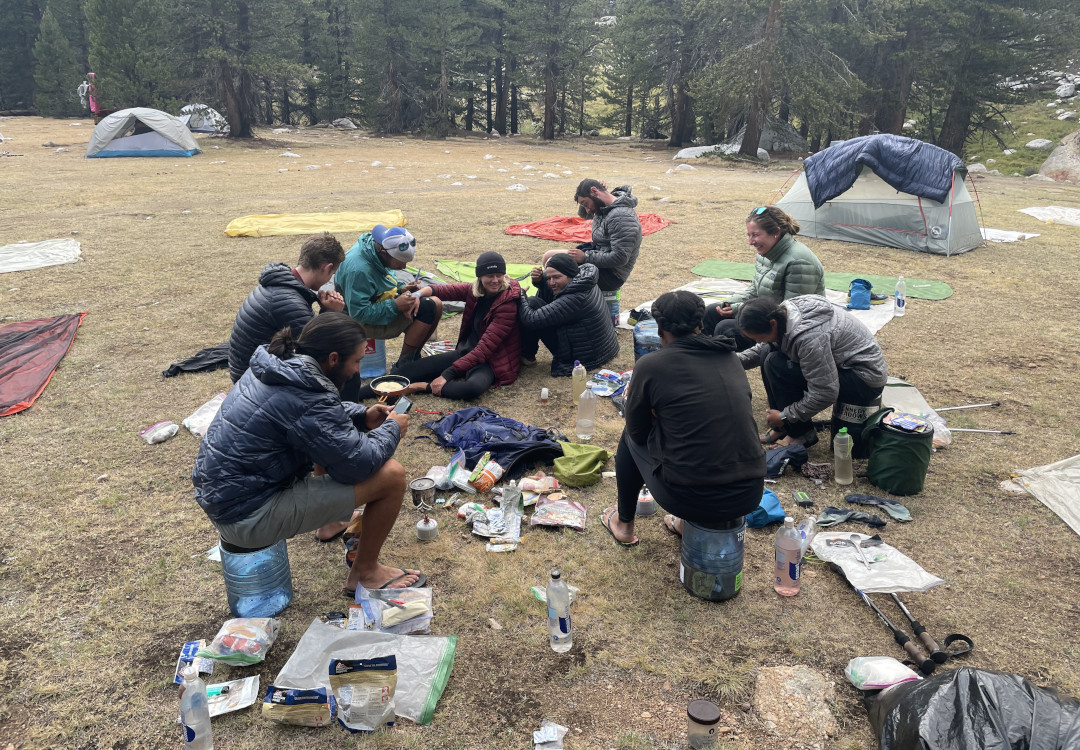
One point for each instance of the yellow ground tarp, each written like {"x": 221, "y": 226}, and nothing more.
{"x": 273, "y": 225}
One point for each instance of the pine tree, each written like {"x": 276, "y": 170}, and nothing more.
{"x": 129, "y": 52}
{"x": 55, "y": 74}
{"x": 19, "y": 21}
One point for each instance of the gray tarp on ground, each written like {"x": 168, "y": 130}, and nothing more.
{"x": 908, "y": 165}
{"x": 1057, "y": 486}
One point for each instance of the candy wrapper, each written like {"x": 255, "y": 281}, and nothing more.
{"x": 558, "y": 510}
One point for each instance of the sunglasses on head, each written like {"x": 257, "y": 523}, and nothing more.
{"x": 403, "y": 246}
{"x": 760, "y": 210}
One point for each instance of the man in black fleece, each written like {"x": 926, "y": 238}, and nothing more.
{"x": 690, "y": 433}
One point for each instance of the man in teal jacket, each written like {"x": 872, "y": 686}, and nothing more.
{"x": 374, "y": 296}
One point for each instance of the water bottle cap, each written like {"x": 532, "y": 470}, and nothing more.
{"x": 842, "y": 431}
{"x": 577, "y": 363}
{"x": 556, "y": 575}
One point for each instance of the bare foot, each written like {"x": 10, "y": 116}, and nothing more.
{"x": 622, "y": 532}
{"x": 380, "y": 575}
{"x": 331, "y": 530}
{"x": 415, "y": 388}
{"x": 673, "y": 524}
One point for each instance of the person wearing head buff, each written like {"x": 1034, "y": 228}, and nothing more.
{"x": 377, "y": 299}
{"x": 488, "y": 350}
{"x": 569, "y": 315}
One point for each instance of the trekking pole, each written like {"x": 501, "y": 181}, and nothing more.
{"x": 988, "y": 432}
{"x": 937, "y": 653}
{"x": 969, "y": 406}
{"x": 925, "y": 664}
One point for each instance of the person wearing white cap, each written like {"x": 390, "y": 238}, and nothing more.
{"x": 374, "y": 296}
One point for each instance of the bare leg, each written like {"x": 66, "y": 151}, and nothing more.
{"x": 381, "y": 495}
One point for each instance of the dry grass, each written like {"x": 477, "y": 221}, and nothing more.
{"x": 103, "y": 580}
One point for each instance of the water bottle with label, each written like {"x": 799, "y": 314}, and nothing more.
{"x": 578, "y": 377}
{"x": 900, "y": 298}
{"x": 194, "y": 711}
{"x": 788, "y": 558}
{"x": 586, "y": 415}
{"x": 842, "y": 469}
{"x": 558, "y": 603}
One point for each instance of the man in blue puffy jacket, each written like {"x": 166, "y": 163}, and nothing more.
{"x": 286, "y": 455}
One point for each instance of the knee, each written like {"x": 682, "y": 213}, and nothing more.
{"x": 393, "y": 474}
{"x": 438, "y": 306}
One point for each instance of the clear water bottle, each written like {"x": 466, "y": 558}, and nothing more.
{"x": 586, "y": 415}
{"x": 578, "y": 378}
{"x": 900, "y": 298}
{"x": 258, "y": 582}
{"x": 788, "y": 558}
{"x": 842, "y": 445}
{"x": 558, "y": 603}
{"x": 194, "y": 711}
{"x": 513, "y": 505}
{"x": 807, "y": 529}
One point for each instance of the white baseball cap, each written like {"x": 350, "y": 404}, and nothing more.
{"x": 396, "y": 241}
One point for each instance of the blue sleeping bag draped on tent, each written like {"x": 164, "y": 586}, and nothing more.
{"x": 910, "y": 166}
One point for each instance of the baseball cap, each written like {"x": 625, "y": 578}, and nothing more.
{"x": 396, "y": 241}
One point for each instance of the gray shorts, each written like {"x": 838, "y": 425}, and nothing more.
{"x": 305, "y": 505}
{"x": 391, "y": 330}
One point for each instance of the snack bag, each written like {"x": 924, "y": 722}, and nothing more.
{"x": 364, "y": 692}
{"x": 241, "y": 641}
{"x": 304, "y": 708}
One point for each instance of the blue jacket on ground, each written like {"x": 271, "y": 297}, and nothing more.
{"x": 282, "y": 417}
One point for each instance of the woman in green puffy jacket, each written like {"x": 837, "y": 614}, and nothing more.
{"x": 785, "y": 268}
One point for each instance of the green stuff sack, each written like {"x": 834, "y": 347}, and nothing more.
{"x": 580, "y": 465}
{"x": 899, "y": 452}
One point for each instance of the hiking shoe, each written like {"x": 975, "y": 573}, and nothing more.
{"x": 528, "y": 361}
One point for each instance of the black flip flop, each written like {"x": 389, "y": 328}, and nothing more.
{"x": 419, "y": 584}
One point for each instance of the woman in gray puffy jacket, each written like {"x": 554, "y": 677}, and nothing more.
{"x": 812, "y": 355}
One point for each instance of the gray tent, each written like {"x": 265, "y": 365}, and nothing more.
{"x": 886, "y": 190}
{"x": 141, "y": 132}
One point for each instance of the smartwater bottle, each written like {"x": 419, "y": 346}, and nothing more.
{"x": 558, "y": 602}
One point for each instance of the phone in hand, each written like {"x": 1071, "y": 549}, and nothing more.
{"x": 402, "y": 406}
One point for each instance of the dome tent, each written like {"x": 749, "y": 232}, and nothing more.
{"x": 202, "y": 118}
{"x": 141, "y": 132}
{"x": 886, "y": 190}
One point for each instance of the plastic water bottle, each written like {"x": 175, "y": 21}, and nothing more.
{"x": 558, "y": 602}
{"x": 788, "y": 559}
{"x": 900, "y": 298}
{"x": 578, "y": 379}
{"x": 586, "y": 415}
{"x": 513, "y": 505}
{"x": 258, "y": 583}
{"x": 807, "y": 529}
{"x": 194, "y": 711}
{"x": 842, "y": 445}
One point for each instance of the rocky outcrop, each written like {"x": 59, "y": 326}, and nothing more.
{"x": 1063, "y": 164}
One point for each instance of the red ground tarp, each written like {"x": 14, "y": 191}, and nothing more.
{"x": 576, "y": 229}
{"x": 29, "y": 353}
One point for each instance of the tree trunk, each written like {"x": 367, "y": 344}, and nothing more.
{"x": 681, "y": 123}
{"x": 286, "y": 108}
{"x": 490, "y": 121}
{"x": 954, "y": 128}
{"x": 581, "y": 107}
{"x": 470, "y": 108}
{"x": 897, "y": 77}
{"x": 562, "y": 111}
{"x": 549, "y": 101}
{"x": 629, "y": 125}
{"x": 514, "y": 109}
{"x": 500, "y": 97}
{"x": 759, "y": 103}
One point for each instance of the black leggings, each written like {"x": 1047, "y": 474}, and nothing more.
{"x": 785, "y": 384}
{"x": 715, "y": 324}
{"x": 475, "y": 382}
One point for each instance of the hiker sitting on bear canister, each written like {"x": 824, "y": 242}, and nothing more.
{"x": 285, "y": 455}
{"x": 284, "y": 297}
{"x": 690, "y": 434}
{"x": 569, "y": 315}
{"x": 812, "y": 355}
{"x": 784, "y": 268}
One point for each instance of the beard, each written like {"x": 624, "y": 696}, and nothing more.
{"x": 337, "y": 376}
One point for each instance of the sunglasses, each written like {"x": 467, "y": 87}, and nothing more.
{"x": 402, "y": 247}
{"x": 760, "y": 210}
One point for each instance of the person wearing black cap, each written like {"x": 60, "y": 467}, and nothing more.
{"x": 569, "y": 315}
{"x": 488, "y": 349}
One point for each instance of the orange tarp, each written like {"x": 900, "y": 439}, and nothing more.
{"x": 576, "y": 229}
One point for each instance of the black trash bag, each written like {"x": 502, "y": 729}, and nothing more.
{"x": 973, "y": 709}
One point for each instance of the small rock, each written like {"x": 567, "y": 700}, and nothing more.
{"x": 1009, "y": 151}
{"x": 185, "y": 211}
{"x": 494, "y": 624}
{"x": 975, "y": 168}
{"x": 517, "y": 186}
{"x": 646, "y": 715}
{"x": 376, "y": 163}
{"x": 1065, "y": 90}
{"x": 49, "y": 144}
{"x": 313, "y": 166}
{"x": 1062, "y": 116}
{"x": 291, "y": 155}
{"x": 455, "y": 184}
{"x": 283, "y": 169}
{"x": 489, "y": 156}
{"x": 685, "y": 168}
{"x": 103, "y": 478}
{"x": 1040, "y": 144}
{"x": 744, "y": 707}
{"x": 724, "y": 730}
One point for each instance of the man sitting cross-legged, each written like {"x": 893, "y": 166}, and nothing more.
{"x": 286, "y": 455}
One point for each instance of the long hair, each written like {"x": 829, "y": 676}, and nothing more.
{"x": 323, "y": 334}
{"x": 756, "y": 316}
{"x": 773, "y": 221}
{"x": 680, "y": 313}
{"x": 479, "y": 291}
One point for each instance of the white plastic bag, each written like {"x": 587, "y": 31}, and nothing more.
{"x": 200, "y": 420}
{"x": 160, "y": 432}
{"x": 877, "y": 672}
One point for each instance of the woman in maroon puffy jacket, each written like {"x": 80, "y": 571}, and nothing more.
{"x": 488, "y": 349}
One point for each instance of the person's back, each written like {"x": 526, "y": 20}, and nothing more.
{"x": 280, "y": 300}
{"x": 280, "y": 417}
{"x": 815, "y": 323}
{"x": 616, "y": 237}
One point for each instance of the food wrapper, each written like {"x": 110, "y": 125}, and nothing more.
{"x": 558, "y": 510}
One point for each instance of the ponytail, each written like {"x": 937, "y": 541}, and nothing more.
{"x": 773, "y": 222}
{"x": 323, "y": 334}
{"x": 282, "y": 345}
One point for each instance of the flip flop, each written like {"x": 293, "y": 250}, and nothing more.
{"x": 771, "y": 435}
{"x": 605, "y": 521}
{"x": 419, "y": 584}
{"x": 669, "y": 524}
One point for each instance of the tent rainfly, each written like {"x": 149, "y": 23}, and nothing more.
{"x": 141, "y": 132}
{"x": 201, "y": 118}
{"x": 886, "y": 190}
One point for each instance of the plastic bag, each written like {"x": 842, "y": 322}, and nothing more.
{"x": 233, "y": 695}
{"x": 244, "y": 640}
{"x": 877, "y": 672}
{"x": 304, "y": 708}
{"x": 558, "y": 510}
{"x": 200, "y": 420}
{"x": 973, "y": 709}
{"x": 364, "y": 692}
{"x": 400, "y": 611}
{"x": 895, "y": 573}
{"x": 441, "y": 475}
{"x": 160, "y": 432}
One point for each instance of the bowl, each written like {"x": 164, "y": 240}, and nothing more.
{"x": 389, "y": 387}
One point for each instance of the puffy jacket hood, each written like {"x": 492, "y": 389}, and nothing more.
{"x": 300, "y": 371}
{"x": 585, "y": 279}
{"x": 806, "y": 313}
{"x": 280, "y": 274}
{"x": 623, "y": 197}
{"x": 701, "y": 342}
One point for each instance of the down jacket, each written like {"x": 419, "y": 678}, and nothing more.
{"x": 500, "y": 344}
{"x": 788, "y": 270}
{"x": 822, "y": 338}
{"x": 279, "y": 300}
{"x": 282, "y": 417}
{"x": 579, "y": 318}
{"x": 616, "y": 238}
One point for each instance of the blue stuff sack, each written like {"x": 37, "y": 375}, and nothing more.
{"x": 859, "y": 294}
{"x": 769, "y": 511}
